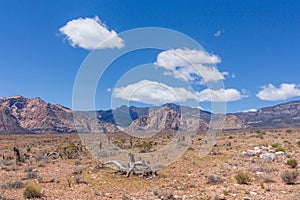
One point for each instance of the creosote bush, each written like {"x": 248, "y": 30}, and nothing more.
{"x": 280, "y": 149}
{"x": 32, "y": 192}
{"x": 289, "y": 177}
{"x": 292, "y": 163}
{"x": 275, "y": 145}
{"x": 31, "y": 175}
{"x": 13, "y": 184}
{"x": 70, "y": 150}
{"x": 212, "y": 179}
{"x": 242, "y": 178}
{"x": 145, "y": 146}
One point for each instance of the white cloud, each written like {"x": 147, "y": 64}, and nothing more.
{"x": 91, "y": 33}
{"x": 283, "y": 92}
{"x": 219, "y": 33}
{"x": 182, "y": 57}
{"x": 190, "y": 65}
{"x": 250, "y": 110}
{"x": 221, "y": 95}
{"x": 152, "y": 92}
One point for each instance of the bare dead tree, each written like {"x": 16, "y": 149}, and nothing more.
{"x": 140, "y": 168}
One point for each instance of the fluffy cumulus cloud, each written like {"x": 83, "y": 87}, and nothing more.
{"x": 283, "y": 92}
{"x": 91, "y": 33}
{"x": 152, "y": 92}
{"x": 221, "y": 95}
{"x": 190, "y": 65}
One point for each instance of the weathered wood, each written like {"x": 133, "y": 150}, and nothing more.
{"x": 144, "y": 170}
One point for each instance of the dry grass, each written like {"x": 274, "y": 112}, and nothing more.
{"x": 186, "y": 178}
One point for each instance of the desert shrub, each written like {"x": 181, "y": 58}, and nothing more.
{"x": 78, "y": 170}
{"x": 280, "y": 149}
{"x": 77, "y": 162}
{"x": 289, "y": 131}
{"x": 125, "y": 197}
{"x": 96, "y": 192}
{"x": 28, "y": 149}
{"x": 242, "y": 178}
{"x": 212, "y": 179}
{"x": 145, "y": 146}
{"x": 42, "y": 163}
{"x": 275, "y": 145}
{"x": 28, "y": 169}
{"x": 69, "y": 149}
{"x": 31, "y": 192}
{"x": 257, "y": 131}
{"x": 289, "y": 177}
{"x": 267, "y": 178}
{"x": 292, "y": 163}
{"x": 13, "y": 184}
{"x": 78, "y": 179}
{"x": 31, "y": 175}
{"x": 6, "y": 162}
{"x": 298, "y": 143}
{"x": 98, "y": 166}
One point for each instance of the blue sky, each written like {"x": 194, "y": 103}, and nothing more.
{"x": 258, "y": 43}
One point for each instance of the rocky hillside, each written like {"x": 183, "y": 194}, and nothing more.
{"x": 33, "y": 115}
{"x": 286, "y": 115}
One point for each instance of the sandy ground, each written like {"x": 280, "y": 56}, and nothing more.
{"x": 82, "y": 177}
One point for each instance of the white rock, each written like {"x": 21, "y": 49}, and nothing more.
{"x": 256, "y": 149}
{"x": 259, "y": 173}
{"x": 279, "y": 153}
{"x": 253, "y": 193}
{"x": 251, "y": 153}
{"x": 268, "y": 156}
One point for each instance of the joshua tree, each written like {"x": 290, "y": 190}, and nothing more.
{"x": 17, "y": 154}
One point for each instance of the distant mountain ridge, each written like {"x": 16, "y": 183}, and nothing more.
{"x": 285, "y": 115}
{"x": 19, "y": 114}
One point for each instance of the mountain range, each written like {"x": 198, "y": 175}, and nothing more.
{"x": 19, "y": 114}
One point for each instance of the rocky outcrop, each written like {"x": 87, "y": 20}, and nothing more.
{"x": 286, "y": 115}
{"x": 33, "y": 115}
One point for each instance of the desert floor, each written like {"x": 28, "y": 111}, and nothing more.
{"x": 190, "y": 177}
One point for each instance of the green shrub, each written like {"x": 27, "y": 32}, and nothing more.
{"x": 280, "y": 149}
{"x": 292, "y": 163}
{"x": 69, "y": 149}
{"x": 242, "y": 178}
{"x": 288, "y": 131}
{"x": 289, "y": 177}
{"x": 145, "y": 146}
{"x": 31, "y": 192}
{"x": 275, "y": 145}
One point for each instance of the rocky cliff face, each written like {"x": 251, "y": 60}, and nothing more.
{"x": 33, "y": 115}
{"x": 285, "y": 115}
{"x": 166, "y": 118}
